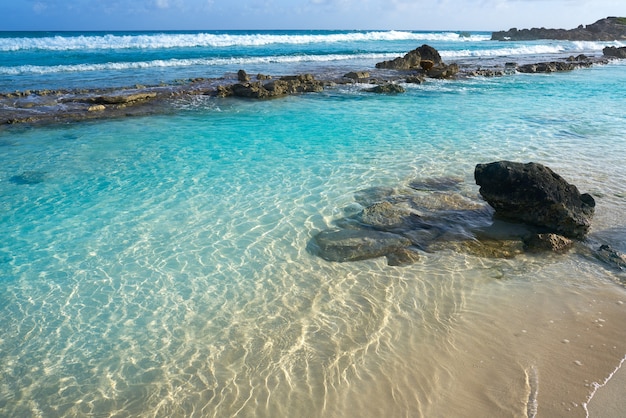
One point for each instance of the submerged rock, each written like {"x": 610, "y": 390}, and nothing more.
{"x": 386, "y": 216}
{"x": 612, "y": 257}
{"x": 534, "y": 194}
{"x": 548, "y": 242}
{"x": 485, "y": 248}
{"x": 354, "y": 245}
{"x": 28, "y": 177}
{"x": 436, "y": 183}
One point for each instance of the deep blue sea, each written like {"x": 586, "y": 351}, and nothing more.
{"x": 159, "y": 266}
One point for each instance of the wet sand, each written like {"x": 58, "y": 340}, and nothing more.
{"x": 609, "y": 401}
{"x": 514, "y": 348}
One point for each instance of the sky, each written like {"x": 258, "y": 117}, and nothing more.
{"x": 480, "y": 15}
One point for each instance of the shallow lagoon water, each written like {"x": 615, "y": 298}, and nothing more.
{"x": 161, "y": 266}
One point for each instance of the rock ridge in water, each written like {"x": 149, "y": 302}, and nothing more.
{"x": 607, "y": 29}
{"x": 54, "y": 106}
{"x": 527, "y": 208}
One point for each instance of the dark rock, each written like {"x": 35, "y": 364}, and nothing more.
{"x": 534, "y": 194}
{"x": 305, "y": 83}
{"x": 552, "y": 67}
{"x": 428, "y": 53}
{"x": 410, "y": 61}
{"x": 353, "y": 245}
{"x": 357, "y": 75}
{"x": 548, "y": 242}
{"x": 612, "y": 257}
{"x": 427, "y": 64}
{"x": 608, "y": 29}
{"x": 443, "y": 71}
{"x": 123, "y": 98}
{"x": 242, "y": 76}
{"x": 615, "y": 52}
{"x": 29, "y": 177}
{"x": 413, "y": 59}
{"x": 414, "y": 79}
{"x": 387, "y": 88}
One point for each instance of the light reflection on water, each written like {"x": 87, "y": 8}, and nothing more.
{"x": 160, "y": 269}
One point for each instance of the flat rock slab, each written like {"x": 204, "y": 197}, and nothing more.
{"x": 354, "y": 245}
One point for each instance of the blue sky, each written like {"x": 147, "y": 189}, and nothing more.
{"x": 302, "y": 14}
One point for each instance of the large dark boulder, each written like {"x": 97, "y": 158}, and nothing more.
{"x": 534, "y": 194}
{"x": 412, "y": 60}
{"x": 615, "y": 52}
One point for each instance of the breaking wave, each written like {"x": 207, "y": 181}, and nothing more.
{"x": 217, "y": 40}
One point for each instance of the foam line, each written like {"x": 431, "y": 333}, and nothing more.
{"x": 597, "y": 386}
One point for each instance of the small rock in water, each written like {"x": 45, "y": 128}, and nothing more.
{"x": 387, "y": 88}
{"x": 28, "y": 177}
{"x": 611, "y": 257}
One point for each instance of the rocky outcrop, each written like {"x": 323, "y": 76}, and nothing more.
{"x": 386, "y": 88}
{"x": 615, "y": 52}
{"x": 553, "y": 66}
{"x": 283, "y": 86}
{"x": 530, "y": 209}
{"x": 357, "y": 75}
{"x": 608, "y": 29}
{"x": 534, "y": 194}
{"x": 424, "y": 59}
{"x": 122, "y": 98}
{"x": 410, "y": 61}
{"x": 611, "y": 257}
{"x": 58, "y": 106}
{"x": 443, "y": 71}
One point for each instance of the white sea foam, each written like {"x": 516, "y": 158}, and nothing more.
{"x": 530, "y": 49}
{"x": 545, "y": 49}
{"x": 597, "y": 386}
{"x": 120, "y": 66}
{"x": 174, "y": 40}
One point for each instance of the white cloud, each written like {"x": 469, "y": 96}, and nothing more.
{"x": 39, "y": 7}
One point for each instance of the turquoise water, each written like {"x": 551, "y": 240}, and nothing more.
{"x": 158, "y": 266}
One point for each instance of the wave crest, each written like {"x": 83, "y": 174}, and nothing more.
{"x": 182, "y": 40}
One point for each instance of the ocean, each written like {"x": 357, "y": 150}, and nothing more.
{"x": 161, "y": 266}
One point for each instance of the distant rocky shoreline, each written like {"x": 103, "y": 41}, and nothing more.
{"x": 417, "y": 66}
{"x": 607, "y": 29}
